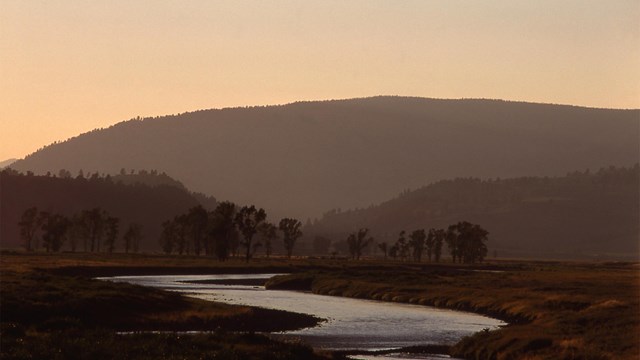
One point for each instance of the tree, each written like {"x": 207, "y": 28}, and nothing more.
{"x": 440, "y": 236}
{"x": 269, "y": 233}
{"x": 402, "y": 246}
{"x": 291, "y": 230}
{"x": 416, "y": 243}
{"x": 111, "y": 233}
{"x": 248, "y": 220}
{"x": 467, "y": 242}
{"x": 393, "y": 251}
{"x": 168, "y": 237}
{"x": 181, "y": 225}
{"x": 132, "y": 238}
{"x": 222, "y": 229}
{"x": 54, "y": 228}
{"x": 430, "y": 243}
{"x": 29, "y": 224}
{"x": 94, "y": 221}
{"x": 383, "y": 247}
{"x": 197, "y": 219}
{"x": 76, "y": 232}
{"x": 357, "y": 242}
{"x": 453, "y": 243}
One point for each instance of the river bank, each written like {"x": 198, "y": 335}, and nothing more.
{"x": 50, "y": 316}
{"x": 556, "y": 310}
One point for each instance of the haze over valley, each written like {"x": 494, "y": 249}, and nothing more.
{"x": 306, "y": 158}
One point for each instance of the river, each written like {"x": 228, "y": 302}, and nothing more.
{"x": 351, "y": 323}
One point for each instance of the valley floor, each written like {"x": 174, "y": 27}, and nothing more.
{"x": 52, "y": 308}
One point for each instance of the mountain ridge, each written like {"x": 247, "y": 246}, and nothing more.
{"x": 318, "y": 155}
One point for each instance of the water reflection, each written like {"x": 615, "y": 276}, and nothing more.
{"x": 351, "y": 323}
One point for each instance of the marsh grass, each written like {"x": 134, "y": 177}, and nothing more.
{"x": 44, "y": 315}
{"x": 555, "y": 310}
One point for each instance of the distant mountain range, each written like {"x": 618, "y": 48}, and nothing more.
{"x": 588, "y": 215}
{"x": 304, "y": 158}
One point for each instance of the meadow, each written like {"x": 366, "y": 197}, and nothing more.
{"x": 53, "y": 308}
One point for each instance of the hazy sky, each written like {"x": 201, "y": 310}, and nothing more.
{"x": 67, "y": 67}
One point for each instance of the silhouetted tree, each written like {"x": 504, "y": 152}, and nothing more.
{"x": 248, "y": 220}
{"x": 197, "y": 219}
{"x": 291, "y": 230}
{"x": 222, "y": 229}
{"x": 54, "y": 228}
{"x": 168, "y": 237}
{"x": 440, "y": 236}
{"x": 132, "y": 238}
{"x": 269, "y": 233}
{"x": 393, "y": 251}
{"x": 402, "y": 246}
{"x": 111, "y": 233}
{"x": 416, "y": 243}
{"x": 94, "y": 221}
{"x": 357, "y": 242}
{"x": 383, "y": 247}
{"x": 181, "y": 224}
{"x": 76, "y": 232}
{"x": 467, "y": 242}
{"x": 430, "y": 243}
{"x": 29, "y": 225}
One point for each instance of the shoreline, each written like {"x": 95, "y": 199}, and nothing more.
{"x": 561, "y": 309}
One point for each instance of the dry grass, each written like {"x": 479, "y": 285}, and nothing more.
{"x": 557, "y": 310}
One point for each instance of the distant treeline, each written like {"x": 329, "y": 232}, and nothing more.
{"x": 583, "y": 214}
{"x": 92, "y": 228}
{"x": 226, "y": 231}
{"x": 143, "y": 198}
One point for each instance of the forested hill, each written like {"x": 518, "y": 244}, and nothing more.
{"x": 581, "y": 215}
{"x": 303, "y": 158}
{"x": 139, "y": 203}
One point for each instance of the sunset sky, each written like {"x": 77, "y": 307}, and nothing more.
{"x": 67, "y": 67}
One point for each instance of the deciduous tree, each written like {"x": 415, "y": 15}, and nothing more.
{"x": 248, "y": 220}
{"x": 357, "y": 242}
{"x": 291, "y": 231}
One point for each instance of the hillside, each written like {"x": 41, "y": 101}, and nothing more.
{"x": 6, "y": 163}
{"x": 303, "y": 158}
{"x": 581, "y": 215}
{"x": 138, "y": 203}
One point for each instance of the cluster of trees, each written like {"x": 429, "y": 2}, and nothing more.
{"x": 466, "y": 243}
{"x": 93, "y": 229}
{"x": 226, "y": 230}
{"x": 584, "y": 214}
{"x": 144, "y": 197}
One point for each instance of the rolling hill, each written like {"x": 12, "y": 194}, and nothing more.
{"x": 303, "y": 158}
{"x": 583, "y": 215}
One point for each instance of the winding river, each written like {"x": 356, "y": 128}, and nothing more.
{"x": 351, "y": 323}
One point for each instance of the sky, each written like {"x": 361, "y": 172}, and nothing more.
{"x": 67, "y": 67}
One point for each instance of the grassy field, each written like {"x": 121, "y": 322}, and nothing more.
{"x": 51, "y": 308}
{"x": 48, "y": 315}
{"x": 555, "y": 310}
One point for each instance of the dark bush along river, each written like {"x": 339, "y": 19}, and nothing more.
{"x": 351, "y": 323}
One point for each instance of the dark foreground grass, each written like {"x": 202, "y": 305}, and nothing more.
{"x": 102, "y": 344}
{"x": 555, "y": 310}
{"x": 44, "y": 315}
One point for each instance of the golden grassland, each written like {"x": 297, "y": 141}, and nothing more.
{"x": 555, "y": 310}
